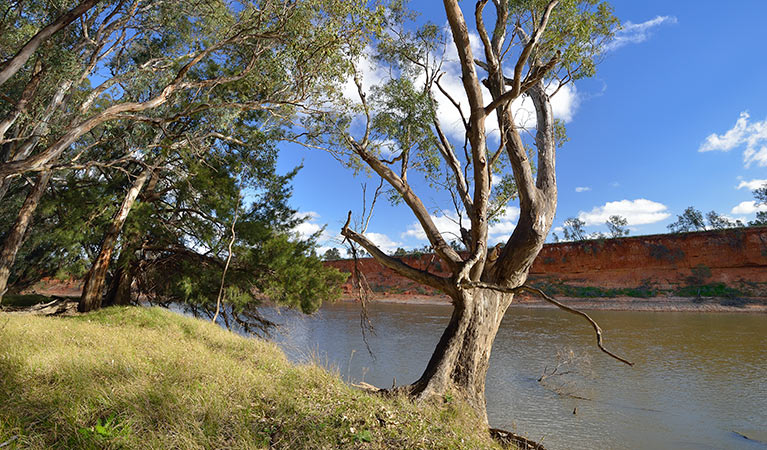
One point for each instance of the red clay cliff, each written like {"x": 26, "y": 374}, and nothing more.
{"x": 729, "y": 264}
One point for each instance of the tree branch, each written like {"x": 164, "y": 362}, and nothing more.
{"x": 516, "y": 85}
{"x": 429, "y": 279}
{"x": 17, "y": 62}
{"x": 450, "y": 256}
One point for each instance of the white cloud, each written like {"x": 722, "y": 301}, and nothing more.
{"x": 447, "y": 224}
{"x": 635, "y": 33}
{"x": 565, "y": 103}
{"x": 582, "y": 189}
{"x": 506, "y": 224}
{"x": 753, "y": 136}
{"x": 310, "y": 226}
{"x": 369, "y": 73}
{"x": 383, "y": 242}
{"x": 748, "y": 208}
{"x": 637, "y": 212}
{"x": 752, "y": 185}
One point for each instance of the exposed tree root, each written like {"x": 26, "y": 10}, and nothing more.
{"x": 513, "y": 440}
{"x": 59, "y": 306}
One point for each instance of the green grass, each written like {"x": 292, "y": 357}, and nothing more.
{"x": 709, "y": 290}
{"x": 567, "y": 290}
{"x": 149, "y": 378}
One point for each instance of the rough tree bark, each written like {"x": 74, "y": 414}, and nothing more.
{"x": 94, "y": 285}
{"x": 461, "y": 358}
{"x": 15, "y": 236}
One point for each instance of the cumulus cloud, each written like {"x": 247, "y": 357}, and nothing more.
{"x": 635, "y": 33}
{"x": 752, "y": 185}
{"x": 502, "y": 229}
{"x": 447, "y": 224}
{"x": 311, "y": 226}
{"x": 582, "y": 189}
{"x": 637, "y": 212}
{"x": 383, "y": 242}
{"x": 751, "y": 136}
{"x": 748, "y": 208}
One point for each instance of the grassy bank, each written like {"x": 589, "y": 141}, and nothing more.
{"x": 149, "y": 378}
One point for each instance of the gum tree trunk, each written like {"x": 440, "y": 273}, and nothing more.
{"x": 95, "y": 281}
{"x": 461, "y": 358}
{"x": 15, "y": 236}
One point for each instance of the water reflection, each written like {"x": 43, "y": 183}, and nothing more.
{"x": 698, "y": 380}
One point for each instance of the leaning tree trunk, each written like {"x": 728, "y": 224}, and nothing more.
{"x": 462, "y": 356}
{"x": 95, "y": 280}
{"x": 15, "y": 236}
{"x": 119, "y": 292}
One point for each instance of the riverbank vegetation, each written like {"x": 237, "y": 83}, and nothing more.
{"x": 139, "y": 143}
{"x": 132, "y": 377}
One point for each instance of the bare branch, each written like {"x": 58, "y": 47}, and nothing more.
{"x": 445, "y": 252}
{"x": 439, "y": 283}
{"x": 517, "y": 85}
{"x": 226, "y": 266}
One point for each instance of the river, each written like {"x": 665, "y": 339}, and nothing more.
{"x": 699, "y": 380}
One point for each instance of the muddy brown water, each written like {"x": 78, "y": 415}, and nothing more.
{"x": 700, "y": 379}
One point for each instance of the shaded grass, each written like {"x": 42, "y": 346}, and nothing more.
{"x": 149, "y": 378}
{"x": 23, "y": 300}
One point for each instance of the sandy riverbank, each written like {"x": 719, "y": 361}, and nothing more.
{"x": 669, "y": 304}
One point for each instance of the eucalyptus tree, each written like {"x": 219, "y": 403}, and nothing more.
{"x": 617, "y": 225}
{"x": 760, "y": 195}
{"x": 12, "y": 64}
{"x": 138, "y": 60}
{"x": 573, "y": 229}
{"x": 526, "y": 53}
{"x": 690, "y": 220}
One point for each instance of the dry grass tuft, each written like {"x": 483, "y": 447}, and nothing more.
{"x": 149, "y": 378}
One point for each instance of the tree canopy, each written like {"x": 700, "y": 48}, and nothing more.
{"x": 139, "y": 140}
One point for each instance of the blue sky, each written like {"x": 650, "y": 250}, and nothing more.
{"x": 676, "y": 116}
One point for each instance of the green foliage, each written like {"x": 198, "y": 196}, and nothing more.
{"x": 717, "y": 221}
{"x": 332, "y": 254}
{"x": 690, "y": 220}
{"x": 566, "y": 290}
{"x": 708, "y": 290}
{"x": 618, "y": 226}
{"x": 760, "y": 195}
{"x": 578, "y": 29}
{"x": 573, "y": 229}
{"x": 211, "y": 146}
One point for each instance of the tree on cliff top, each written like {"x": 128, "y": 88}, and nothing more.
{"x": 761, "y": 199}
{"x": 690, "y": 220}
{"x": 529, "y": 51}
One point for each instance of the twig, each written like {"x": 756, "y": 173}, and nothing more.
{"x": 226, "y": 266}
{"x": 8, "y": 441}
